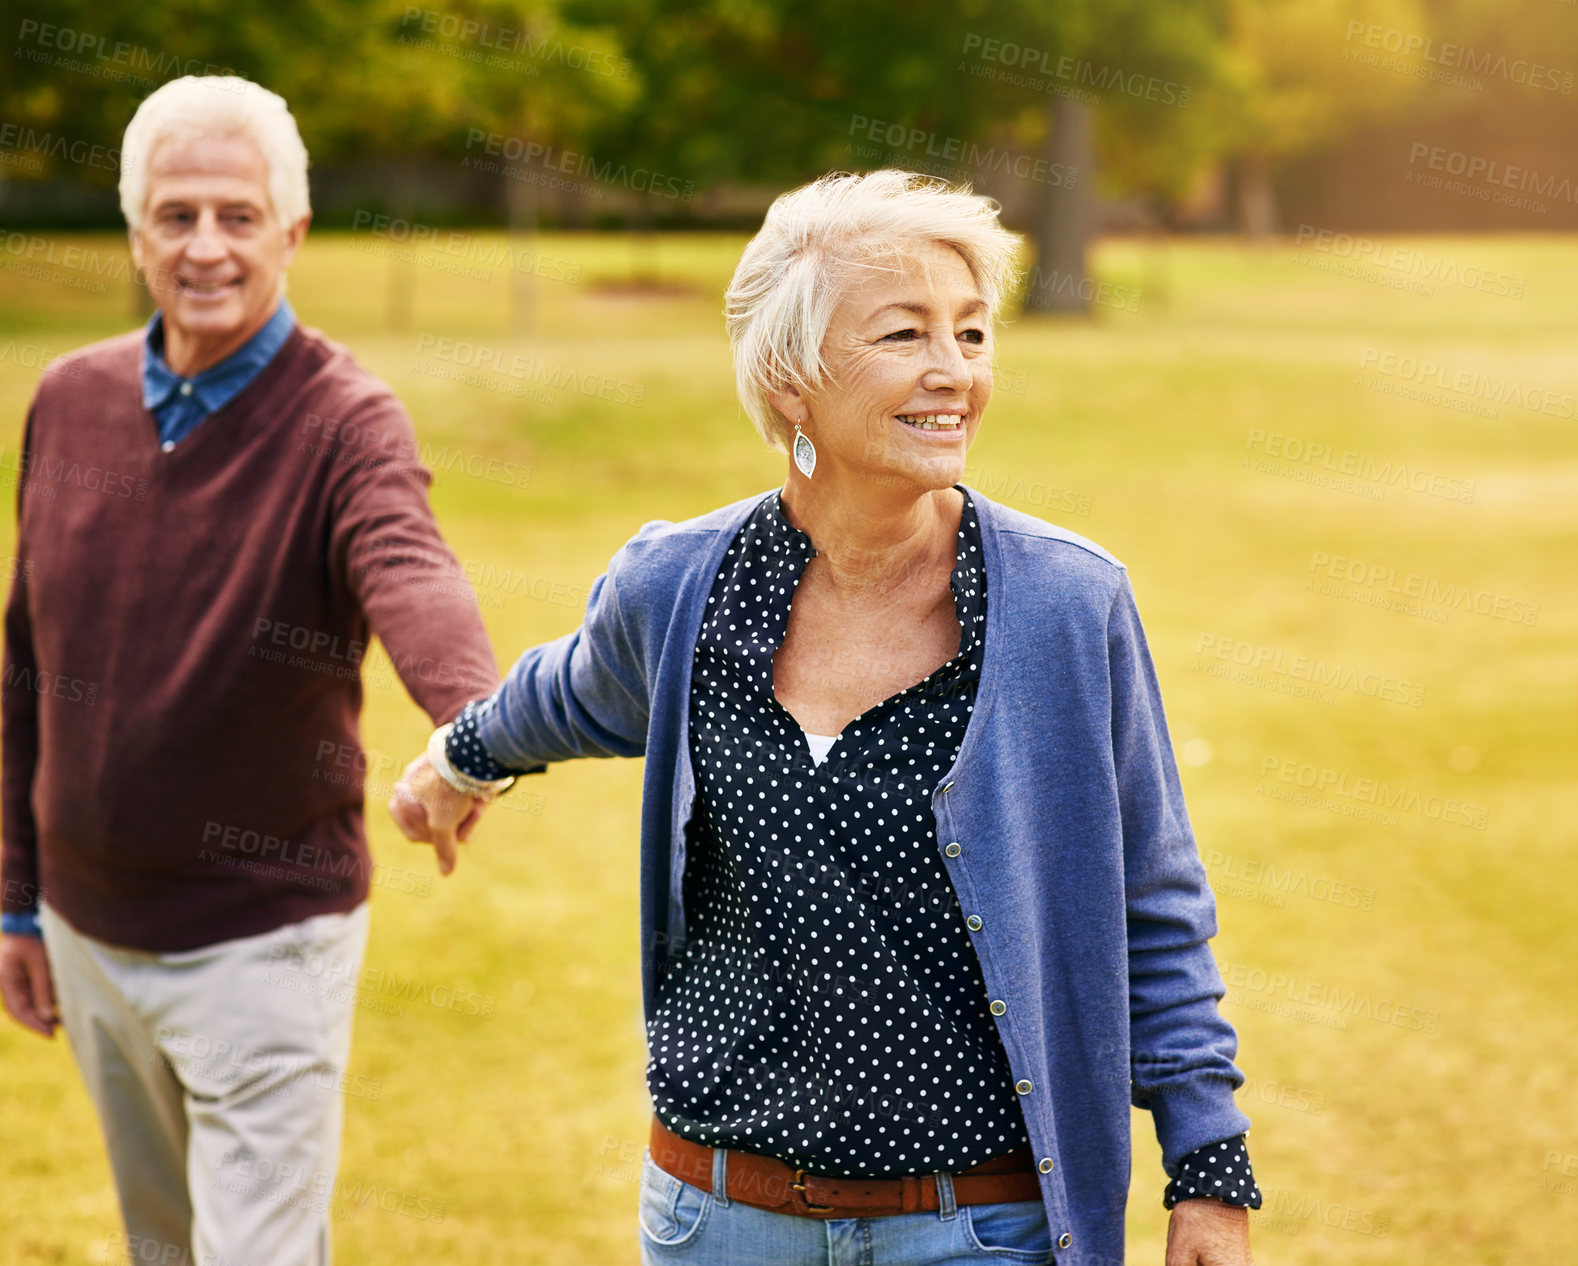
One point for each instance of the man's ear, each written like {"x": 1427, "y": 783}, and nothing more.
{"x": 294, "y": 235}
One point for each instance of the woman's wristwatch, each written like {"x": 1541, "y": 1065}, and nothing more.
{"x": 476, "y": 788}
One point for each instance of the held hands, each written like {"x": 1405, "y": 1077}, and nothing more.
{"x": 25, "y": 984}
{"x": 428, "y": 810}
{"x": 1206, "y": 1232}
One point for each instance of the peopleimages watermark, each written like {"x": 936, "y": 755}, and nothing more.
{"x": 1280, "y": 1094}
{"x": 42, "y": 259}
{"x": 971, "y": 155}
{"x": 1342, "y": 1004}
{"x": 20, "y": 142}
{"x": 452, "y": 250}
{"x": 1049, "y": 284}
{"x": 1445, "y": 57}
{"x": 1073, "y": 76}
{"x": 1486, "y": 179}
{"x": 1270, "y": 667}
{"x": 44, "y": 475}
{"x": 268, "y": 856}
{"x": 279, "y": 1182}
{"x": 551, "y": 159}
{"x": 212, "y": 1051}
{"x": 501, "y": 47}
{"x": 43, "y": 359}
{"x": 362, "y": 444}
{"x": 376, "y": 774}
{"x": 1288, "y": 1214}
{"x": 84, "y": 52}
{"x": 1559, "y": 1166}
{"x": 490, "y": 583}
{"x": 1421, "y": 378}
{"x": 1269, "y": 884}
{"x": 78, "y": 267}
{"x": 1036, "y": 492}
{"x": 478, "y": 364}
{"x": 1372, "y": 799}
{"x": 1381, "y": 585}
{"x": 1347, "y": 470}
{"x": 1401, "y": 267}
{"x": 377, "y": 989}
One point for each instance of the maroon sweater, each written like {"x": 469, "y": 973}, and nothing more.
{"x": 184, "y": 639}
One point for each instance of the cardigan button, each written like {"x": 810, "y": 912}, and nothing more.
{"x": 998, "y": 1006}
{"x": 1046, "y": 1167}
{"x": 1065, "y": 1240}
{"x": 953, "y": 850}
{"x": 1023, "y": 1086}
{"x": 973, "y": 923}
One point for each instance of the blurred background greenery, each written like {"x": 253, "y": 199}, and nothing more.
{"x": 1313, "y": 385}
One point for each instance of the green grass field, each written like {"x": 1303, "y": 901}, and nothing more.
{"x": 1397, "y": 934}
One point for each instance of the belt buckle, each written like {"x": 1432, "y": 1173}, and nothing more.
{"x": 799, "y": 1185}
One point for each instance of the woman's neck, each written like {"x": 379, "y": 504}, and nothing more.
{"x": 872, "y": 542}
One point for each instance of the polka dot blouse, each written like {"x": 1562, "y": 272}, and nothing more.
{"x": 827, "y": 1007}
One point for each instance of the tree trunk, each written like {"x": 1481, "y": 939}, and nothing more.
{"x": 1063, "y": 220}
{"x": 1254, "y": 198}
{"x": 521, "y": 200}
{"x": 400, "y": 268}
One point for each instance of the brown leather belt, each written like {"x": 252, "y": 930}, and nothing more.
{"x": 771, "y": 1184}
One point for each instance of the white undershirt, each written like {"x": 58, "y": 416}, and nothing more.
{"x": 820, "y": 744}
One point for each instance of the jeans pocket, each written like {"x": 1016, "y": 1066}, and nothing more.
{"x": 1014, "y": 1231}
{"x": 671, "y": 1213}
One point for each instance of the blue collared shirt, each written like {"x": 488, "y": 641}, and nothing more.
{"x": 178, "y": 403}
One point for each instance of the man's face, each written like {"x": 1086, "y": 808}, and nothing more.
{"x": 211, "y": 246}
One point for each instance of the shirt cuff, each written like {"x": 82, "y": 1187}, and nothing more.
{"x": 465, "y": 748}
{"x": 23, "y": 924}
{"x": 1218, "y": 1169}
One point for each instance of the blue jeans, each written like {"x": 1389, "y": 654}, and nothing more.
{"x": 682, "y": 1223}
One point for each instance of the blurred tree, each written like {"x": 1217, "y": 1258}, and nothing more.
{"x": 1294, "y": 80}
{"x": 364, "y": 78}
{"x": 778, "y": 91}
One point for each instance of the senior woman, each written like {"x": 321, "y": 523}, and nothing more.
{"x": 921, "y": 910}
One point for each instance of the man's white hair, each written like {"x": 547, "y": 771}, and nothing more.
{"x": 818, "y": 239}
{"x": 216, "y": 105}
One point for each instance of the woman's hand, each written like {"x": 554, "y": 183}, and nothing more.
{"x": 429, "y": 811}
{"x": 1206, "y": 1232}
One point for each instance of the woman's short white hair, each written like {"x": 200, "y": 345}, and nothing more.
{"x": 216, "y": 105}
{"x": 812, "y": 245}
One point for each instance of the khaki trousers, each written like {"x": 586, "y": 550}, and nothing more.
{"x": 217, "y": 1076}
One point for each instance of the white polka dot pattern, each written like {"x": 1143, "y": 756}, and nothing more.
{"x": 1218, "y": 1169}
{"x": 828, "y": 1008}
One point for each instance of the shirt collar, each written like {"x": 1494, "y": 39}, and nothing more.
{"x": 793, "y": 548}
{"x": 218, "y": 385}
{"x": 782, "y": 536}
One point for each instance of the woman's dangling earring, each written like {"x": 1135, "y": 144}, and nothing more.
{"x": 804, "y": 452}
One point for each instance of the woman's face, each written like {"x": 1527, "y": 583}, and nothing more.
{"x": 909, "y": 352}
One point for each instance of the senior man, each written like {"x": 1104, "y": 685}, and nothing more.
{"x": 185, "y": 866}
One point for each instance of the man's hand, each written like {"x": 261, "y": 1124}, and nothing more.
{"x": 428, "y": 810}
{"x": 25, "y": 984}
{"x": 1206, "y": 1232}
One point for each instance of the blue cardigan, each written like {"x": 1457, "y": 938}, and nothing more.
{"x": 1077, "y": 855}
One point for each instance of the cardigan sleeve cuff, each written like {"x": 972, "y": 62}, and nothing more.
{"x": 1191, "y": 1113}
